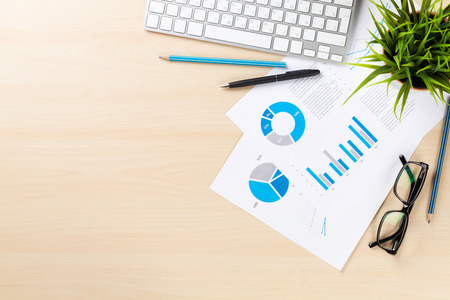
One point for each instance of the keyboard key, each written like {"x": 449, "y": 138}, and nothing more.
{"x": 331, "y": 38}
{"x": 310, "y": 53}
{"x": 336, "y": 57}
{"x": 166, "y": 24}
{"x": 296, "y": 47}
{"x": 237, "y": 36}
{"x": 304, "y": 6}
{"x": 195, "y": 28}
{"x": 222, "y": 5}
{"x": 348, "y": 3}
{"x": 330, "y": 11}
{"x": 213, "y": 17}
{"x": 268, "y": 27}
{"x": 317, "y": 8}
{"x": 304, "y": 20}
{"x": 194, "y": 2}
{"x": 344, "y": 15}
{"x": 186, "y": 12}
{"x": 209, "y": 4}
{"x": 181, "y": 1}
{"x": 277, "y": 15}
{"x": 156, "y": 7}
{"x": 290, "y": 4}
{"x": 263, "y": 2}
{"x": 199, "y": 14}
{"x": 276, "y": 3}
{"x": 254, "y": 24}
{"x": 326, "y": 1}
{"x": 241, "y": 22}
{"x": 290, "y": 17}
{"x": 325, "y": 49}
{"x": 295, "y": 32}
{"x": 250, "y": 10}
{"x": 280, "y": 44}
{"x": 263, "y": 12}
{"x": 332, "y": 25}
{"x": 227, "y": 20}
{"x": 318, "y": 22}
{"x": 322, "y": 55}
{"x": 180, "y": 26}
{"x": 152, "y": 21}
{"x": 309, "y": 34}
{"x": 236, "y": 7}
{"x": 281, "y": 29}
{"x": 172, "y": 10}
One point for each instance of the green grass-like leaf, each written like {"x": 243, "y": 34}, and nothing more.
{"x": 416, "y": 48}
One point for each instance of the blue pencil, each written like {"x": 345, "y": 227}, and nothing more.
{"x": 225, "y": 61}
{"x": 439, "y": 166}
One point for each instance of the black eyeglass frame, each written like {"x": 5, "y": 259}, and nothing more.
{"x": 408, "y": 204}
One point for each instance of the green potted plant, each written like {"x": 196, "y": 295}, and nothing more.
{"x": 416, "y": 49}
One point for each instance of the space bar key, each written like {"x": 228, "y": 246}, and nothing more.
{"x": 237, "y": 36}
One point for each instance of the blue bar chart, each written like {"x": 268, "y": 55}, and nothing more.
{"x": 349, "y": 153}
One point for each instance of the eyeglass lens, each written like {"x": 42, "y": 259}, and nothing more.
{"x": 391, "y": 230}
{"x": 406, "y": 180}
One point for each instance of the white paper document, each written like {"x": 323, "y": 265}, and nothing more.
{"x": 340, "y": 160}
{"x": 254, "y": 183}
{"x": 263, "y": 190}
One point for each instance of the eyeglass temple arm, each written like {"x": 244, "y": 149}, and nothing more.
{"x": 402, "y": 159}
{"x": 410, "y": 174}
{"x": 415, "y": 187}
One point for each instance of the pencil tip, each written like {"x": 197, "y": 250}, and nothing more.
{"x": 159, "y": 56}
{"x": 429, "y": 221}
{"x": 224, "y": 85}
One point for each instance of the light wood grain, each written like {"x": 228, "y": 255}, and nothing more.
{"x": 106, "y": 158}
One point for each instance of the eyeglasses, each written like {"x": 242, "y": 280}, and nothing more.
{"x": 407, "y": 187}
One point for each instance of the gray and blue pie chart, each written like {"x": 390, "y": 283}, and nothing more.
{"x": 267, "y": 183}
{"x": 286, "y": 112}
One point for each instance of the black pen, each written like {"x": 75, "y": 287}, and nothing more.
{"x": 273, "y": 78}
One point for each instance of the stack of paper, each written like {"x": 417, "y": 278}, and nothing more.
{"x": 313, "y": 169}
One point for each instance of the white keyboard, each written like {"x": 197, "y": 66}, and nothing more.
{"x": 316, "y": 29}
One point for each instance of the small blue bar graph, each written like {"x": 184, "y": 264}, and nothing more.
{"x": 359, "y": 136}
{"x": 329, "y": 178}
{"x": 350, "y": 152}
{"x": 335, "y": 169}
{"x": 343, "y": 164}
{"x": 347, "y": 152}
{"x": 355, "y": 148}
{"x": 365, "y": 129}
{"x": 317, "y": 178}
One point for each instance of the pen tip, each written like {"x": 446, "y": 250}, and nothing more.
{"x": 429, "y": 221}
{"x": 224, "y": 85}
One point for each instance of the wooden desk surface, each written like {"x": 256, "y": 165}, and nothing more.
{"x": 106, "y": 158}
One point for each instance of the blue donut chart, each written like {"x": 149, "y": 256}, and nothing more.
{"x": 271, "y": 135}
